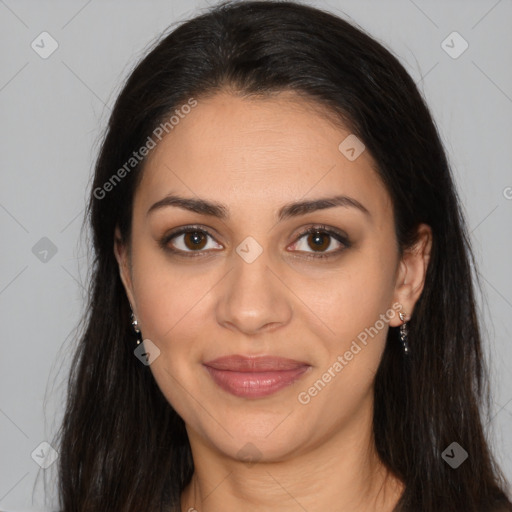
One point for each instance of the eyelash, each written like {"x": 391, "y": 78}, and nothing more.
{"x": 322, "y": 229}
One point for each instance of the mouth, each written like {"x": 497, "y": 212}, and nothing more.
{"x": 254, "y": 377}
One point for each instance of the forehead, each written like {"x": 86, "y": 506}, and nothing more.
{"x": 259, "y": 152}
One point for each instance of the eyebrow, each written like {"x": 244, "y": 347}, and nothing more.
{"x": 294, "y": 209}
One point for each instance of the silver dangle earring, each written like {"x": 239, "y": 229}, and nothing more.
{"x": 404, "y": 331}
{"x": 135, "y": 326}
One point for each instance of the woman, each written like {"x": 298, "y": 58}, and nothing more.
{"x": 274, "y": 218}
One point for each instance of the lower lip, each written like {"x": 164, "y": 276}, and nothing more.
{"x": 255, "y": 384}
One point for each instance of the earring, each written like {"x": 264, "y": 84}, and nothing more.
{"x": 135, "y": 326}
{"x": 404, "y": 331}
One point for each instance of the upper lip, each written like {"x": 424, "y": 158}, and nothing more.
{"x": 239, "y": 363}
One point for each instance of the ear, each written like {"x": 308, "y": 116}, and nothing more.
{"x": 122, "y": 254}
{"x": 411, "y": 274}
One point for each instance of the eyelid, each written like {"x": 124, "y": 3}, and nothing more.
{"x": 335, "y": 233}
{"x": 183, "y": 230}
{"x": 341, "y": 237}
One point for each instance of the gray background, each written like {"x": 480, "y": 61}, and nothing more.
{"x": 53, "y": 115}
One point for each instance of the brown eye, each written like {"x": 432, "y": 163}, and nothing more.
{"x": 188, "y": 240}
{"x": 316, "y": 241}
{"x": 319, "y": 241}
{"x": 194, "y": 240}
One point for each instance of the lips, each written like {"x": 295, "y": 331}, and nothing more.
{"x": 254, "y": 377}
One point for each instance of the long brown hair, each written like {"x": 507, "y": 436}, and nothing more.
{"x": 123, "y": 447}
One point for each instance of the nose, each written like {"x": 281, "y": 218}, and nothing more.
{"x": 253, "y": 298}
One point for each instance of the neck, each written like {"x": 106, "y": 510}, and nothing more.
{"x": 344, "y": 469}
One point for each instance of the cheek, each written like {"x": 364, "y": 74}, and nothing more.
{"x": 171, "y": 304}
{"x": 358, "y": 312}
{"x": 354, "y": 298}
{"x": 164, "y": 293}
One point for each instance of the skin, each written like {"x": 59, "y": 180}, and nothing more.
{"x": 255, "y": 155}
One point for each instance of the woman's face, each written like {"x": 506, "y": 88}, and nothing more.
{"x": 251, "y": 283}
